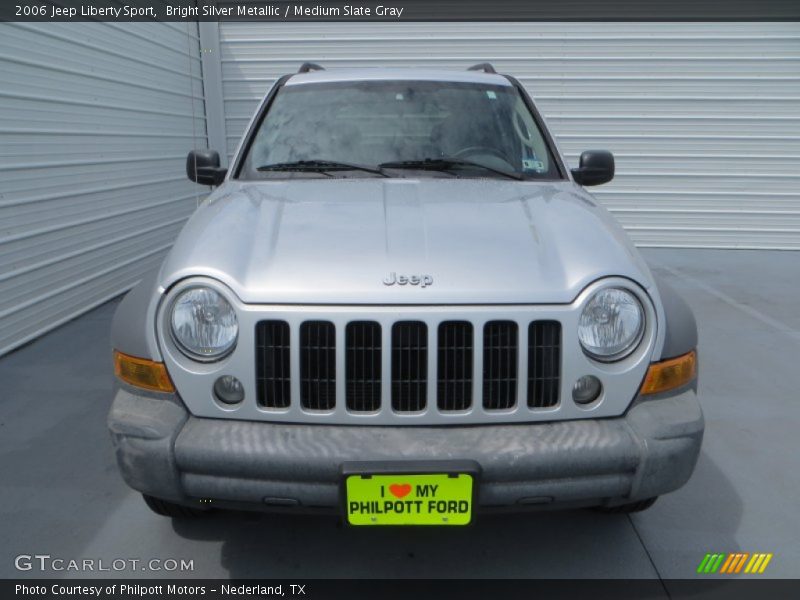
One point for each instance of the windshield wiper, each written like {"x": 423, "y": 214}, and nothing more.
{"x": 320, "y": 166}
{"x": 446, "y": 164}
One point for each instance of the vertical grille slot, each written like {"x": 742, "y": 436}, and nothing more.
{"x": 272, "y": 364}
{"x": 318, "y": 365}
{"x": 454, "y": 380}
{"x": 544, "y": 363}
{"x": 363, "y": 365}
{"x": 409, "y": 366}
{"x": 499, "y": 365}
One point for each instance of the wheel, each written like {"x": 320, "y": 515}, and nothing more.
{"x": 170, "y": 509}
{"x": 631, "y": 507}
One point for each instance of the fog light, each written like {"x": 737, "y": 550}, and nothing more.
{"x": 587, "y": 389}
{"x": 228, "y": 389}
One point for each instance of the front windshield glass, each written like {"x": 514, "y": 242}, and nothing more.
{"x": 382, "y": 123}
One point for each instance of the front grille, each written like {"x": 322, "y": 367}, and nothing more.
{"x": 272, "y": 364}
{"x": 409, "y": 366}
{"x": 499, "y": 365}
{"x": 318, "y": 365}
{"x": 544, "y": 363}
{"x": 363, "y": 365}
{"x": 454, "y": 380}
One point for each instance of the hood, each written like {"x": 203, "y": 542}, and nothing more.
{"x": 464, "y": 241}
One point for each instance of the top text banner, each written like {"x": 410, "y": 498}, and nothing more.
{"x": 400, "y": 10}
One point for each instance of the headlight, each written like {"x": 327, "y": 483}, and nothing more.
{"x": 611, "y": 324}
{"x": 203, "y": 324}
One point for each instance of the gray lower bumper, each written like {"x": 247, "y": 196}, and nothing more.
{"x": 165, "y": 452}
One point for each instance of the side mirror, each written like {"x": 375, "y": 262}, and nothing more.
{"x": 202, "y": 166}
{"x": 596, "y": 167}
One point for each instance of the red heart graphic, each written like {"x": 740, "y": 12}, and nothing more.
{"x": 400, "y": 490}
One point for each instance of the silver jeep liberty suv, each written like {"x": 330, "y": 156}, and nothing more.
{"x": 400, "y": 305}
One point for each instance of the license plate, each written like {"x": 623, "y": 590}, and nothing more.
{"x": 412, "y": 499}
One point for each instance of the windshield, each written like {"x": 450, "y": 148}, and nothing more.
{"x": 481, "y": 130}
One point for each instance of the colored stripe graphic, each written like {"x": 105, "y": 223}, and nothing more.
{"x": 741, "y": 562}
{"x": 749, "y": 567}
{"x": 729, "y": 563}
{"x": 765, "y": 563}
{"x": 702, "y": 566}
{"x": 733, "y": 563}
{"x": 714, "y": 563}
{"x": 758, "y": 564}
{"x": 736, "y": 561}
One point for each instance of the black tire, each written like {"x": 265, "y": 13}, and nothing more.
{"x": 631, "y": 507}
{"x": 170, "y": 509}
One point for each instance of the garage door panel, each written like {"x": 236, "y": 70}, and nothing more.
{"x": 32, "y": 248}
{"x": 654, "y": 219}
{"x": 742, "y": 203}
{"x": 710, "y": 237}
{"x": 95, "y": 123}
{"x": 24, "y": 286}
{"x": 664, "y": 107}
{"x": 643, "y": 86}
{"x": 39, "y": 45}
{"x": 23, "y": 80}
{"x": 744, "y": 125}
{"x": 47, "y": 313}
{"x": 25, "y": 149}
{"x": 51, "y": 211}
{"x": 41, "y": 114}
{"x": 682, "y": 182}
{"x": 61, "y": 180}
{"x": 520, "y": 49}
{"x": 760, "y": 148}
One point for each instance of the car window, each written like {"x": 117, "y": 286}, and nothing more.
{"x": 374, "y": 122}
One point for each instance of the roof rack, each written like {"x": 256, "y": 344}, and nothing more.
{"x": 307, "y": 67}
{"x": 485, "y": 67}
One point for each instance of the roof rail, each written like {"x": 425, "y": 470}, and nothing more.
{"x": 485, "y": 67}
{"x": 309, "y": 66}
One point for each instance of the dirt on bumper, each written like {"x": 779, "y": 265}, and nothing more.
{"x": 165, "y": 452}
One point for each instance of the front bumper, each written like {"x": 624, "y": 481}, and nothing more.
{"x": 165, "y": 452}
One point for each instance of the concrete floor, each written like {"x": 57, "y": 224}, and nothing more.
{"x": 62, "y": 495}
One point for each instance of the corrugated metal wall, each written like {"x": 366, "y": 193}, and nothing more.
{"x": 704, "y": 118}
{"x": 95, "y": 123}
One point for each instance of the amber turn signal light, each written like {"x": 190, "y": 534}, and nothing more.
{"x": 142, "y": 373}
{"x": 670, "y": 374}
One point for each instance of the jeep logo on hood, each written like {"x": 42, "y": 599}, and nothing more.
{"x": 399, "y": 279}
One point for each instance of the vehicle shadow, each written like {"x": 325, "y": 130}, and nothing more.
{"x": 57, "y": 469}
{"x": 703, "y": 517}
{"x": 545, "y": 544}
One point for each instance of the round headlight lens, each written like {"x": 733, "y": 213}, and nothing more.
{"x": 203, "y": 323}
{"x": 611, "y": 324}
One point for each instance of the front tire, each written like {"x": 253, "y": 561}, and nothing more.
{"x": 170, "y": 509}
{"x": 631, "y": 507}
